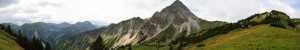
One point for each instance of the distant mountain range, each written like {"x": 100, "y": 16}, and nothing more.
{"x": 52, "y": 32}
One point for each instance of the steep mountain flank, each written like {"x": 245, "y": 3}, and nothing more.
{"x": 171, "y": 22}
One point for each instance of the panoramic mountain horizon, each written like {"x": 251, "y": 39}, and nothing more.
{"x": 177, "y": 26}
{"x": 59, "y": 11}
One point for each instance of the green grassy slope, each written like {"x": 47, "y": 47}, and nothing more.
{"x": 8, "y": 42}
{"x": 298, "y": 26}
{"x": 258, "y": 37}
{"x": 210, "y": 24}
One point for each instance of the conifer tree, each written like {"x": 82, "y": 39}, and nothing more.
{"x": 129, "y": 47}
{"x": 37, "y": 44}
{"x": 9, "y": 31}
{"x": 98, "y": 44}
{"x": 171, "y": 47}
{"x": 48, "y": 46}
{"x": 2, "y": 27}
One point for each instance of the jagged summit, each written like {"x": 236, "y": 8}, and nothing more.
{"x": 176, "y": 7}
{"x": 136, "y": 18}
{"x": 178, "y": 4}
{"x": 177, "y": 13}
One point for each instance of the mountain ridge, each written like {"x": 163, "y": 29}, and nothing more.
{"x": 52, "y": 32}
{"x": 174, "y": 25}
{"x": 139, "y": 31}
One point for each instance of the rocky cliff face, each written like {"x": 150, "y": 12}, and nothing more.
{"x": 137, "y": 31}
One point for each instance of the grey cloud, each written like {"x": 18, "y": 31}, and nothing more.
{"x": 29, "y": 11}
{"x": 23, "y": 19}
{"x": 43, "y": 4}
{"x": 99, "y": 23}
{"x": 12, "y": 19}
{"x": 8, "y": 15}
{"x": 149, "y": 5}
{"x": 4, "y": 3}
{"x": 17, "y": 10}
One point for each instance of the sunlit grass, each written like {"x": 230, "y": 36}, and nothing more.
{"x": 8, "y": 42}
{"x": 258, "y": 37}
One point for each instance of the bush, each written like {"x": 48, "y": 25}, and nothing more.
{"x": 98, "y": 44}
{"x": 277, "y": 24}
{"x": 200, "y": 45}
{"x": 292, "y": 24}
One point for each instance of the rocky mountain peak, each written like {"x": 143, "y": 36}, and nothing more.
{"x": 179, "y": 4}
{"x": 177, "y": 11}
{"x": 35, "y": 35}
{"x": 136, "y": 18}
{"x": 136, "y": 30}
{"x": 176, "y": 7}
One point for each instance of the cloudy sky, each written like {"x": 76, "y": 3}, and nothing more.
{"x": 104, "y": 12}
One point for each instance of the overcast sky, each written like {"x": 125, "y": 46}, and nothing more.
{"x": 104, "y": 12}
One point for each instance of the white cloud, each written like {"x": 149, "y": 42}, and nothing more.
{"x": 97, "y": 11}
{"x": 114, "y": 11}
{"x": 234, "y": 10}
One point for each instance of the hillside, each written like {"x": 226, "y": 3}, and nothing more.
{"x": 8, "y": 42}
{"x": 262, "y": 37}
{"x": 269, "y": 30}
{"x": 245, "y": 34}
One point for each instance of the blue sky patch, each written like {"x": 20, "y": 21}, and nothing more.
{"x": 297, "y": 5}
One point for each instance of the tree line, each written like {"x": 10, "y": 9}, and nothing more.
{"x": 28, "y": 44}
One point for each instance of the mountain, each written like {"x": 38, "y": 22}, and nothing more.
{"x": 176, "y": 27}
{"x": 11, "y": 25}
{"x": 64, "y": 24}
{"x": 173, "y": 21}
{"x": 52, "y": 32}
{"x": 269, "y": 30}
{"x": 75, "y": 29}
